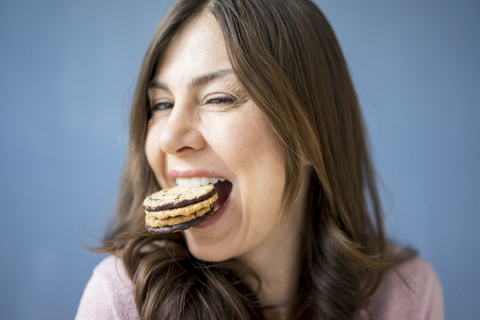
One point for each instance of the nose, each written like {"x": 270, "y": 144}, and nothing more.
{"x": 181, "y": 131}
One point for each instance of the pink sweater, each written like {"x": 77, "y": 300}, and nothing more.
{"x": 109, "y": 293}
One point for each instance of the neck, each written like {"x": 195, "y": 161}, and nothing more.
{"x": 277, "y": 263}
{"x": 278, "y": 270}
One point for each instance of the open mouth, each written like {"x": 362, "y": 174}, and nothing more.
{"x": 223, "y": 187}
{"x": 223, "y": 190}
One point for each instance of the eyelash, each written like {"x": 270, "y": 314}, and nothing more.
{"x": 221, "y": 100}
{"x": 161, "y": 106}
{"x": 168, "y": 105}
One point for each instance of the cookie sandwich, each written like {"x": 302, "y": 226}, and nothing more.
{"x": 178, "y": 208}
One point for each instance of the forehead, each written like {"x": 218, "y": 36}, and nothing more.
{"x": 198, "y": 48}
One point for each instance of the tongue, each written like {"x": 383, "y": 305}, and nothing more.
{"x": 223, "y": 190}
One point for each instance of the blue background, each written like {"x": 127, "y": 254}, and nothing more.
{"x": 67, "y": 74}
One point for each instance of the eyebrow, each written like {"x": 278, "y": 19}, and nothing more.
{"x": 197, "y": 81}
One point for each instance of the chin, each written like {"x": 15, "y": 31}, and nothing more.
{"x": 205, "y": 250}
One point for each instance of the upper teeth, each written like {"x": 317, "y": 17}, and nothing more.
{"x": 196, "y": 181}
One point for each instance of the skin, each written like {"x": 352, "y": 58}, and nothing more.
{"x": 212, "y": 128}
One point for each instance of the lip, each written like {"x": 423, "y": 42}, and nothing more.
{"x": 190, "y": 173}
{"x": 215, "y": 215}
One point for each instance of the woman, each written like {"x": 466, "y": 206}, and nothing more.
{"x": 255, "y": 93}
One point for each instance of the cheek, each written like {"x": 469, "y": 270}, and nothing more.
{"x": 245, "y": 140}
{"x": 156, "y": 156}
{"x": 248, "y": 145}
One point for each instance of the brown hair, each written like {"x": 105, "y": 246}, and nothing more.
{"x": 287, "y": 58}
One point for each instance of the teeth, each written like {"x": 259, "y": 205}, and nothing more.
{"x": 184, "y": 182}
{"x": 196, "y": 182}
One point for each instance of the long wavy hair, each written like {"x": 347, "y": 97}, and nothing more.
{"x": 287, "y": 58}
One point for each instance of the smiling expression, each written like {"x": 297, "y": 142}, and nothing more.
{"x": 204, "y": 125}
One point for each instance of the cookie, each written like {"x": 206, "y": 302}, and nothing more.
{"x": 178, "y": 208}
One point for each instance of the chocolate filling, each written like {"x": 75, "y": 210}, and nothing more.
{"x": 181, "y": 226}
{"x": 180, "y": 204}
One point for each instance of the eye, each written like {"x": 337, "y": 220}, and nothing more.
{"x": 161, "y": 105}
{"x": 221, "y": 99}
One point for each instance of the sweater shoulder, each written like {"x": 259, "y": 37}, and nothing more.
{"x": 108, "y": 292}
{"x": 112, "y": 271}
{"x": 410, "y": 290}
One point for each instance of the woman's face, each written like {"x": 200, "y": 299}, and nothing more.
{"x": 204, "y": 125}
